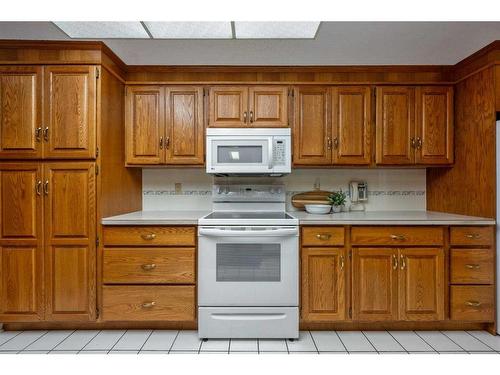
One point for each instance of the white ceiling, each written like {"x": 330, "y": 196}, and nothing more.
{"x": 337, "y": 43}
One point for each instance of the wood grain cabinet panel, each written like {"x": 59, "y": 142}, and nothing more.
{"x": 312, "y": 128}
{"x": 397, "y": 236}
{"x": 472, "y": 266}
{"x": 323, "y": 236}
{"x": 268, "y": 106}
{"x": 184, "y": 125}
{"x": 149, "y": 236}
{"x": 70, "y": 101}
{"x": 421, "y": 284}
{"x": 395, "y": 125}
{"x": 228, "y": 106}
{"x": 323, "y": 284}
{"x": 472, "y": 303}
{"x": 434, "y": 125}
{"x": 20, "y": 112}
{"x": 374, "y": 284}
{"x": 351, "y": 125}
{"x": 70, "y": 225}
{"x": 472, "y": 236}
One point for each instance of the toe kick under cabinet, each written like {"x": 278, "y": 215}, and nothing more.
{"x": 149, "y": 273}
{"x": 395, "y": 275}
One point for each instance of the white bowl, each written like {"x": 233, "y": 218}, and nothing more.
{"x": 318, "y": 208}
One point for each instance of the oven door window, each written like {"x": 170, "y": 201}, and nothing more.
{"x": 248, "y": 262}
{"x": 239, "y": 154}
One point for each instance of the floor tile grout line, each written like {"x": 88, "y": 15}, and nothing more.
{"x": 173, "y": 342}
{"x": 453, "y": 341}
{"x": 99, "y": 331}
{"x": 71, "y": 334}
{"x": 345, "y": 347}
{"x": 477, "y": 338}
{"x": 433, "y": 348}
{"x": 258, "y": 347}
{"x": 286, "y": 344}
{"x": 144, "y": 343}
{"x": 46, "y": 332}
{"x": 117, "y": 341}
{"x": 13, "y": 337}
{"x": 229, "y": 347}
{"x": 395, "y": 339}
{"x": 366, "y": 337}
{"x": 314, "y": 342}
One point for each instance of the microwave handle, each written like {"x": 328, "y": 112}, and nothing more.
{"x": 270, "y": 153}
{"x": 213, "y": 232}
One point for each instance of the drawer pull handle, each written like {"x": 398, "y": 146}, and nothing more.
{"x": 341, "y": 262}
{"x": 394, "y": 262}
{"x": 148, "y": 237}
{"x": 403, "y": 262}
{"x": 473, "y": 236}
{"x": 148, "y": 267}
{"x": 473, "y": 303}
{"x": 472, "y": 266}
{"x": 323, "y": 236}
{"x": 148, "y": 305}
{"x": 398, "y": 237}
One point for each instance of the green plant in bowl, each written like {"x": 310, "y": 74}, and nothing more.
{"x": 337, "y": 199}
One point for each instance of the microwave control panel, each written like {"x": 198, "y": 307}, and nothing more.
{"x": 279, "y": 151}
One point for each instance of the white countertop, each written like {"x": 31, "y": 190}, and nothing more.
{"x": 343, "y": 218}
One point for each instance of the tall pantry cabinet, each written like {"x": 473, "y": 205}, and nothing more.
{"x": 60, "y": 131}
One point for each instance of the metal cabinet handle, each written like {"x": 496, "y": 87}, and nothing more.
{"x": 323, "y": 236}
{"x": 245, "y": 117}
{"x": 167, "y": 143}
{"x": 398, "y": 237}
{"x": 473, "y": 303}
{"x": 38, "y": 134}
{"x": 38, "y": 187}
{"x": 329, "y": 143}
{"x": 394, "y": 262}
{"x": 473, "y": 236}
{"x": 335, "y": 143}
{"x": 403, "y": 261}
{"x": 148, "y": 267}
{"x": 419, "y": 143}
{"x": 413, "y": 142}
{"x": 148, "y": 305}
{"x": 46, "y": 187}
{"x": 251, "y": 117}
{"x": 46, "y": 134}
{"x": 342, "y": 262}
{"x": 148, "y": 237}
{"x": 472, "y": 266}
{"x": 161, "y": 143}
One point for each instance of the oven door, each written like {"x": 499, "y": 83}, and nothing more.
{"x": 245, "y": 155}
{"x": 248, "y": 266}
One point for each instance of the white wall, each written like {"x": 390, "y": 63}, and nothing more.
{"x": 388, "y": 189}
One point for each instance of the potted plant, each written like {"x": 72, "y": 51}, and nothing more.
{"x": 337, "y": 199}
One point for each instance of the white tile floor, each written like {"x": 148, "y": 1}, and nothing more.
{"x": 187, "y": 342}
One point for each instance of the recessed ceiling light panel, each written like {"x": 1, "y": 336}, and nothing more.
{"x": 103, "y": 30}
{"x": 190, "y": 30}
{"x": 276, "y": 30}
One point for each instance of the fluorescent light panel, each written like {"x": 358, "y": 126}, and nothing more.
{"x": 190, "y": 30}
{"x": 103, "y": 30}
{"x": 276, "y": 30}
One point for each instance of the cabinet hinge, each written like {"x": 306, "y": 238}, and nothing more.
{"x": 96, "y": 170}
{"x": 97, "y": 152}
{"x": 350, "y": 312}
{"x": 97, "y": 73}
{"x": 97, "y": 241}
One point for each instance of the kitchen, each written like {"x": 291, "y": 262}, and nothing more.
{"x": 140, "y": 198}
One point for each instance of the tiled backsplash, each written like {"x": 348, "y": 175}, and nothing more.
{"x": 388, "y": 189}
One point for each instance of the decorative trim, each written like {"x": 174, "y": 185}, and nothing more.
{"x": 173, "y": 192}
{"x": 373, "y": 193}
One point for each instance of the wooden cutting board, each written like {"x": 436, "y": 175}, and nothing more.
{"x": 310, "y": 197}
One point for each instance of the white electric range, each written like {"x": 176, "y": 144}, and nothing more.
{"x": 248, "y": 265}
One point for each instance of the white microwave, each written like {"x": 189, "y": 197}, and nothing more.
{"x": 254, "y": 151}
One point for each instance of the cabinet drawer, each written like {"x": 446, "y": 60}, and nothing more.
{"x": 472, "y": 303}
{"x": 472, "y": 266}
{"x": 149, "y": 236}
{"x": 471, "y": 236}
{"x": 146, "y": 303}
{"x": 397, "y": 236}
{"x": 149, "y": 265}
{"x": 323, "y": 236}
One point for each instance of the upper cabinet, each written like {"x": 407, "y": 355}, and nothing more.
{"x": 67, "y": 129}
{"x": 414, "y": 125}
{"x": 248, "y": 106}
{"x": 164, "y": 125}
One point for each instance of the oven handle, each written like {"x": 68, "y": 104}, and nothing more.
{"x": 214, "y": 232}
{"x": 243, "y": 316}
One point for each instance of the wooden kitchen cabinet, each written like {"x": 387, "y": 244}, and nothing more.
{"x": 323, "y": 284}
{"x": 70, "y": 99}
{"x": 268, "y": 106}
{"x": 228, "y": 106}
{"x": 351, "y": 125}
{"x": 20, "y": 112}
{"x": 70, "y": 225}
{"x": 312, "y": 143}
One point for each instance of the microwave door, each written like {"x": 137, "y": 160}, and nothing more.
{"x": 239, "y": 156}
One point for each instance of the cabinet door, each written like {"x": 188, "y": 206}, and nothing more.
{"x": 21, "y": 251}
{"x": 20, "y": 112}
{"x": 268, "y": 106}
{"x": 311, "y": 132}
{"x": 184, "y": 135}
{"x": 323, "y": 284}
{"x": 70, "y": 112}
{"x": 144, "y": 125}
{"x": 434, "y": 125}
{"x": 395, "y": 125}
{"x": 351, "y": 125}
{"x": 70, "y": 235}
{"x": 374, "y": 284}
{"x": 421, "y": 284}
{"x": 228, "y": 106}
